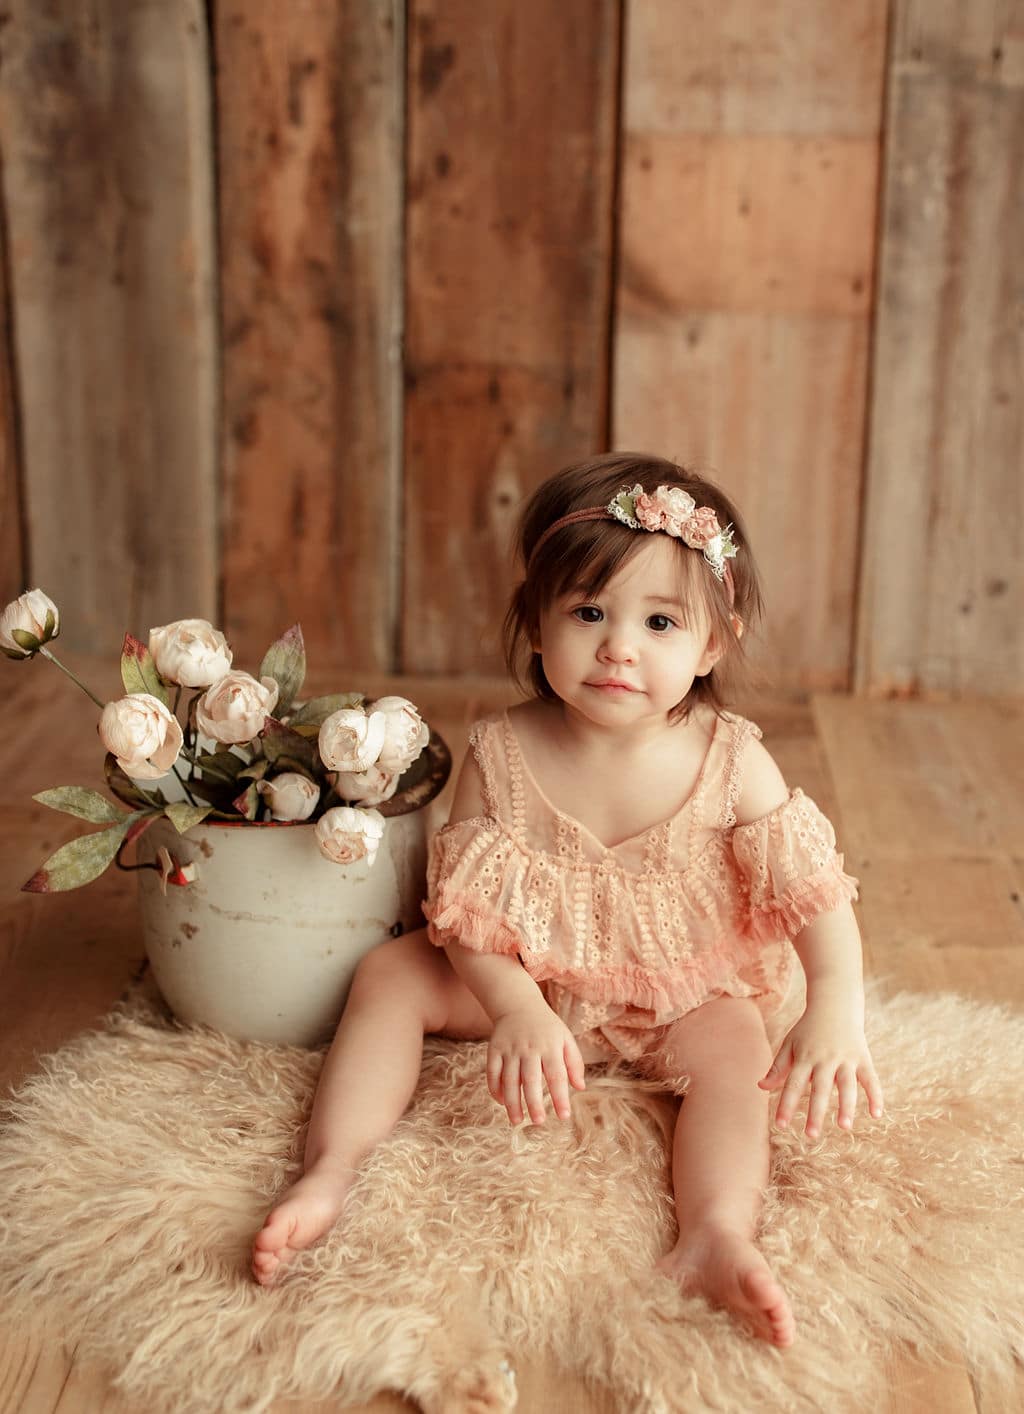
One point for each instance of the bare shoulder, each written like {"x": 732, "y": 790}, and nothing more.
{"x": 762, "y": 786}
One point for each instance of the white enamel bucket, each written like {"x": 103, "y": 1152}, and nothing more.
{"x": 263, "y": 944}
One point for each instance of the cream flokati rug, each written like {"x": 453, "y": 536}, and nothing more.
{"x": 137, "y": 1164}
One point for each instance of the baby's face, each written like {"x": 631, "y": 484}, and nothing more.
{"x": 628, "y": 654}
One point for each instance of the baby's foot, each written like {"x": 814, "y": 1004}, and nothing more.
{"x": 730, "y": 1271}
{"x": 309, "y": 1209}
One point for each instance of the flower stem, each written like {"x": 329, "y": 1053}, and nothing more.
{"x": 45, "y": 653}
{"x": 184, "y": 785}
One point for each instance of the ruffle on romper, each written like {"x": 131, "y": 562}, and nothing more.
{"x": 664, "y": 942}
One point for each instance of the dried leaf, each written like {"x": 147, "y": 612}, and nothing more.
{"x": 81, "y": 801}
{"x": 316, "y": 711}
{"x": 80, "y": 861}
{"x": 285, "y": 662}
{"x": 138, "y": 671}
{"x": 183, "y": 816}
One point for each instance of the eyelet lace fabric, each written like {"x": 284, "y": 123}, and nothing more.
{"x": 625, "y": 940}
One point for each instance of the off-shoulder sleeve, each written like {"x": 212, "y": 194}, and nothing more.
{"x": 471, "y": 871}
{"x": 791, "y": 869}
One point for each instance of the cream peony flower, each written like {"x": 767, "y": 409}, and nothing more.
{"x": 143, "y": 734}
{"x": 291, "y": 796}
{"x": 33, "y": 613}
{"x": 351, "y": 740}
{"x": 236, "y": 707}
{"x": 346, "y": 835}
{"x": 365, "y": 787}
{"x": 406, "y": 733}
{"x": 190, "y": 652}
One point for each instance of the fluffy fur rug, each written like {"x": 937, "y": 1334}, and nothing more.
{"x": 137, "y": 1164}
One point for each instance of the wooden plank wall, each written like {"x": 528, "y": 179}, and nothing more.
{"x": 943, "y": 573}
{"x": 12, "y": 564}
{"x": 512, "y": 129}
{"x": 750, "y": 167}
{"x": 457, "y": 245}
{"x": 108, "y": 195}
{"x": 309, "y": 140}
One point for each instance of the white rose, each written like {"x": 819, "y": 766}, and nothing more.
{"x": 346, "y": 835}
{"x": 406, "y": 733}
{"x": 350, "y": 740}
{"x": 143, "y": 734}
{"x": 33, "y": 613}
{"x": 291, "y": 796}
{"x": 190, "y": 652}
{"x": 365, "y": 787}
{"x": 236, "y": 707}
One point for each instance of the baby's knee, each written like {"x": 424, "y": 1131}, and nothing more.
{"x": 397, "y": 973}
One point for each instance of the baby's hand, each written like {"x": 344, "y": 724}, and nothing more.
{"x": 826, "y": 1048}
{"x": 526, "y": 1048}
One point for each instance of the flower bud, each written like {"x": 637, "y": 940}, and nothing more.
{"x": 143, "y": 734}
{"x": 291, "y": 796}
{"x": 351, "y": 740}
{"x": 346, "y": 835}
{"x": 190, "y": 652}
{"x": 27, "y": 623}
{"x": 236, "y": 707}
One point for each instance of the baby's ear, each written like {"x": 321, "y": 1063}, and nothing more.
{"x": 737, "y": 625}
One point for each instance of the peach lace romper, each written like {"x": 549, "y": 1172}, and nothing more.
{"x": 624, "y": 941}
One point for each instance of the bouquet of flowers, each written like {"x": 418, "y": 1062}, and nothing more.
{"x": 243, "y": 749}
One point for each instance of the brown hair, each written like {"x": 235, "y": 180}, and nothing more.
{"x": 588, "y": 553}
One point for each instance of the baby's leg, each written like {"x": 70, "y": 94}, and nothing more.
{"x": 402, "y": 990}
{"x": 720, "y": 1161}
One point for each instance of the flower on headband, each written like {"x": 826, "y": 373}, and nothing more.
{"x": 674, "y": 511}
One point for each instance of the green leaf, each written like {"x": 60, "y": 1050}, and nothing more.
{"x": 26, "y": 640}
{"x": 285, "y": 662}
{"x": 138, "y": 671}
{"x": 183, "y": 816}
{"x": 316, "y": 711}
{"x": 125, "y": 788}
{"x": 279, "y": 740}
{"x": 220, "y": 765}
{"x": 81, "y": 801}
{"x": 256, "y": 771}
{"x": 80, "y": 861}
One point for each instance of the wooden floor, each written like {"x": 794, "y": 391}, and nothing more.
{"x": 928, "y": 800}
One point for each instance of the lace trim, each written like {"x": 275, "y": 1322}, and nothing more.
{"x": 480, "y": 744}
{"x": 458, "y": 918}
{"x": 800, "y": 903}
{"x": 733, "y": 778}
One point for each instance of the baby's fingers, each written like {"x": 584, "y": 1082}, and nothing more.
{"x": 821, "y": 1092}
{"x": 780, "y": 1068}
{"x": 846, "y": 1082}
{"x": 574, "y": 1065}
{"x": 558, "y": 1086}
{"x": 872, "y": 1088}
{"x": 792, "y": 1093}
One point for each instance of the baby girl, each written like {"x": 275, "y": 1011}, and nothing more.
{"x": 625, "y": 874}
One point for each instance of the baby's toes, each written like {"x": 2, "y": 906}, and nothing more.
{"x": 264, "y": 1267}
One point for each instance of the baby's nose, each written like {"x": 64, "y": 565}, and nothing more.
{"x": 617, "y": 649}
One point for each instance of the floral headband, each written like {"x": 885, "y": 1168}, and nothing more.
{"x": 669, "y": 509}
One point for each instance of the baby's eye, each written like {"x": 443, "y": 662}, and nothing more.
{"x": 660, "y": 623}
{"x": 588, "y": 614}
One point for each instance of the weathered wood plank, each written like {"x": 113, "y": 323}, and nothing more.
{"x": 108, "y": 193}
{"x": 512, "y": 123}
{"x": 943, "y": 560}
{"x": 12, "y": 557}
{"x": 744, "y": 287}
{"x": 309, "y": 101}
{"x": 34, "y": 1369}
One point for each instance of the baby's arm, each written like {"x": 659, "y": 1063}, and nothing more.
{"x": 827, "y": 1047}
{"x": 529, "y": 1043}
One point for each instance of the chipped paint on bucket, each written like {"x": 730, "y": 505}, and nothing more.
{"x": 264, "y": 943}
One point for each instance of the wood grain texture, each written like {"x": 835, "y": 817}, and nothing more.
{"x": 13, "y": 567}
{"x": 744, "y": 287}
{"x": 309, "y": 100}
{"x": 943, "y": 561}
{"x": 107, "y": 187}
{"x": 512, "y": 124}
